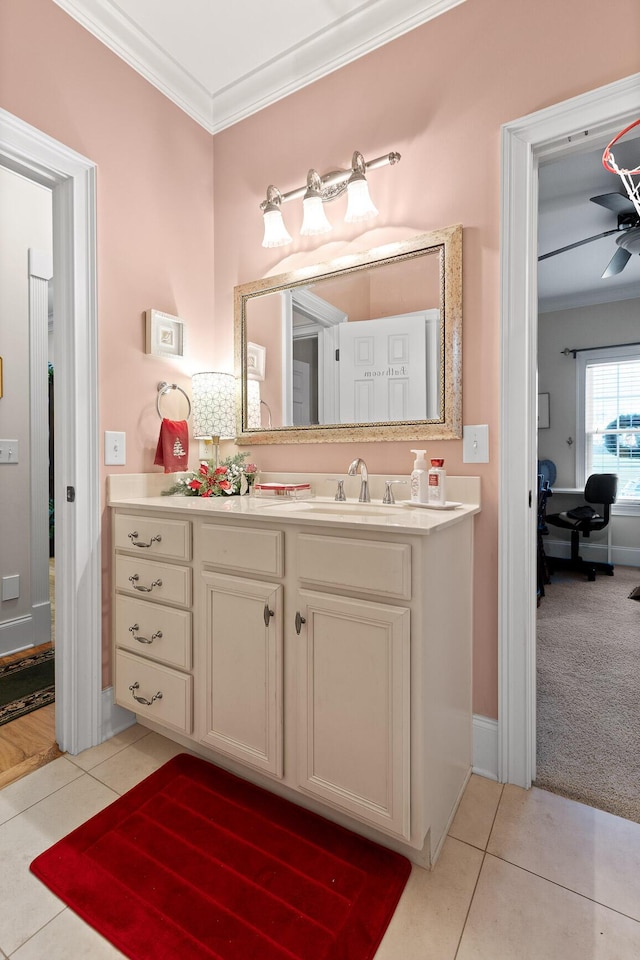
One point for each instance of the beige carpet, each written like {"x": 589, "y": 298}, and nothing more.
{"x": 588, "y": 691}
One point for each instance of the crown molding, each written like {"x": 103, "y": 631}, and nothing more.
{"x": 144, "y": 55}
{"x": 587, "y": 298}
{"x": 347, "y": 39}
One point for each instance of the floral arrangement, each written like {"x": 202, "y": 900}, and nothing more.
{"x": 231, "y": 477}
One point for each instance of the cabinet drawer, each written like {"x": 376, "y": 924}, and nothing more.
{"x": 154, "y": 581}
{"x": 175, "y": 705}
{"x": 154, "y": 631}
{"x": 153, "y": 538}
{"x": 247, "y": 550}
{"x": 368, "y": 566}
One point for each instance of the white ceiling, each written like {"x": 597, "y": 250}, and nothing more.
{"x": 221, "y": 61}
{"x": 566, "y": 215}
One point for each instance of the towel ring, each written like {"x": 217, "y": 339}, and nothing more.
{"x": 163, "y": 388}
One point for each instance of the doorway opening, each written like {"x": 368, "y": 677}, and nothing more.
{"x": 587, "y": 670}
{"x": 71, "y": 179}
{"x": 561, "y": 129}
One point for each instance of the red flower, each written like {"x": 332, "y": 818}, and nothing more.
{"x": 219, "y": 471}
{"x": 224, "y": 484}
{"x": 251, "y": 468}
{"x": 194, "y": 484}
{"x": 207, "y": 493}
{"x": 203, "y": 469}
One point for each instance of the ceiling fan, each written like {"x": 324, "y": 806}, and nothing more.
{"x": 628, "y": 230}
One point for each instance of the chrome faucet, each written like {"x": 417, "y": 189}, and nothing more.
{"x": 359, "y": 464}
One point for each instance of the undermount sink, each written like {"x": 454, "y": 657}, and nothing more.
{"x": 342, "y": 508}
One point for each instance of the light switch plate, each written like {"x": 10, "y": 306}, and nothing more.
{"x": 115, "y": 448}
{"x": 11, "y": 587}
{"x": 9, "y": 451}
{"x": 475, "y": 443}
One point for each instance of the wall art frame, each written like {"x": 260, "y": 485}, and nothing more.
{"x": 164, "y": 334}
{"x": 256, "y": 361}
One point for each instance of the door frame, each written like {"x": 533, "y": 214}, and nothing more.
{"x": 72, "y": 180}
{"x": 566, "y": 127}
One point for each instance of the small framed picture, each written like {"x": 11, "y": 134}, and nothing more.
{"x": 164, "y": 334}
{"x": 543, "y": 411}
{"x": 256, "y": 359}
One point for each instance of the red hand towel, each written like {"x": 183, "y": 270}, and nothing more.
{"x": 172, "y": 451}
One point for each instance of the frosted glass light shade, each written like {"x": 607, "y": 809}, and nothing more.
{"x": 214, "y": 405}
{"x": 315, "y": 219}
{"x": 359, "y": 204}
{"x": 275, "y": 232}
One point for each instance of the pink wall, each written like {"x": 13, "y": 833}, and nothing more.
{"x": 154, "y": 217}
{"x": 438, "y": 95}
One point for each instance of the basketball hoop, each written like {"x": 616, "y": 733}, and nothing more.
{"x": 609, "y": 163}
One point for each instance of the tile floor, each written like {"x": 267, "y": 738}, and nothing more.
{"x": 522, "y": 875}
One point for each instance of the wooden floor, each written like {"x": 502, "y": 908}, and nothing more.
{"x": 27, "y": 743}
{"x": 30, "y": 741}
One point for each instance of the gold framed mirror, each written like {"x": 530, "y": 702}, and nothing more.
{"x": 366, "y": 347}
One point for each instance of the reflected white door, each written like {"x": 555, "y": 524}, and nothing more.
{"x": 382, "y": 369}
{"x": 301, "y": 388}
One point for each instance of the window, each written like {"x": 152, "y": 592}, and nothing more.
{"x": 609, "y": 417}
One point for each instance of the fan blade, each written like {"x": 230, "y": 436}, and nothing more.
{"x": 578, "y": 243}
{"x": 617, "y": 263}
{"x": 617, "y": 202}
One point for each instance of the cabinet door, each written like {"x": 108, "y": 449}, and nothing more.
{"x": 243, "y": 698}
{"x": 353, "y": 702}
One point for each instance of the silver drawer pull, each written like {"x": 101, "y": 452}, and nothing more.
{"x": 154, "y": 636}
{"x": 267, "y": 614}
{"x": 140, "y": 543}
{"x": 143, "y": 700}
{"x": 133, "y": 579}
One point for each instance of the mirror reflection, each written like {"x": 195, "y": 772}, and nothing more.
{"x": 336, "y": 351}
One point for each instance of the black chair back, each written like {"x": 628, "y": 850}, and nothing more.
{"x": 601, "y": 488}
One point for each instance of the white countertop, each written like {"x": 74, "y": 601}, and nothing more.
{"x": 396, "y": 518}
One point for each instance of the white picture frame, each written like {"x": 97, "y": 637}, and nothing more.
{"x": 256, "y": 361}
{"x": 543, "y": 411}
{"x": 164, "y": 334}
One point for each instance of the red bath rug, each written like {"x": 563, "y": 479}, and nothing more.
{"x": 196, "y": 864}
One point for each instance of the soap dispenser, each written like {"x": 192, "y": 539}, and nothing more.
{"x": 419, "y": 477}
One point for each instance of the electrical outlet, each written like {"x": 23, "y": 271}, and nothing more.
{"x": 115, "y": 448}
{"x": 9, "y": 451}
{"x": 475, "y": 443}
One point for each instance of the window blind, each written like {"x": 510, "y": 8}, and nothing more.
{"x": 612, "y": 423}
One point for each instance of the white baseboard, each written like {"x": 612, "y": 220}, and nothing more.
{"x": 16, "y": 635}
{"x": 113, "y": 719}
{"x": 485, "y": 747}
{"x": 623, "y": 556}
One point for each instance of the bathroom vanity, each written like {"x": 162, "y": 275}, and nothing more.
{"x": 319, "y": 649}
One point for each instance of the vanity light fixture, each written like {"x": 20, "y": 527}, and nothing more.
{"x": 214, "y": 408}
{"x": 320, "y": 190}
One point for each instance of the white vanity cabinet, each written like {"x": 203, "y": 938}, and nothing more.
{"x": 153, "y": 618}
{"x": 331, "y": 661}
{"x": 354, "y": 707}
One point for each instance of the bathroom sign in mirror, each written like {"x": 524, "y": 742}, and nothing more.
{"x": 367, "y": 347}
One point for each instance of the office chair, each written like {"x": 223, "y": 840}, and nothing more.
{"x": 601, "y": 489}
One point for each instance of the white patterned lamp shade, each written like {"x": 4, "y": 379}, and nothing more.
{"x": 254, "y": 419}
{"x": 214, "y": 405}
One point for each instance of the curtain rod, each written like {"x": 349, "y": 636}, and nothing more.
{"x": 606, "y": 346}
